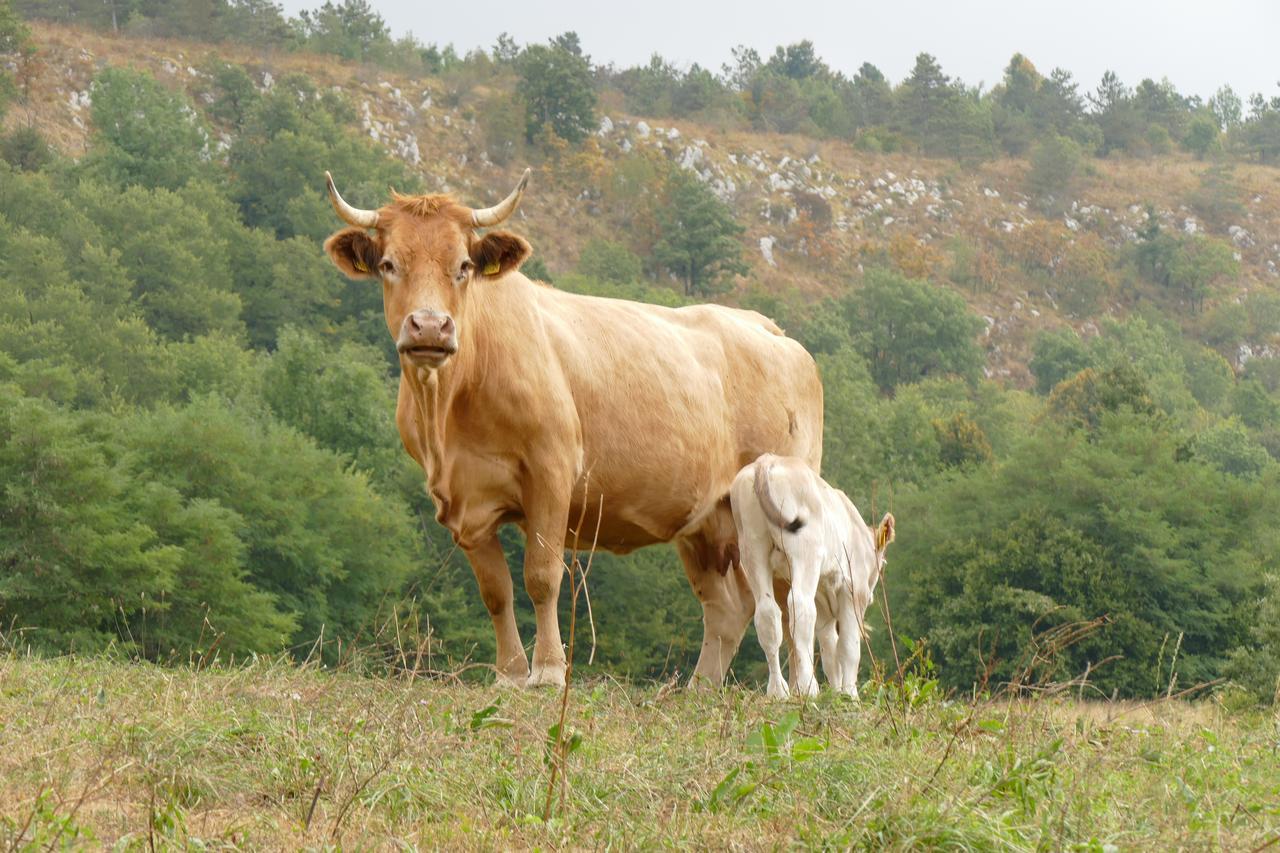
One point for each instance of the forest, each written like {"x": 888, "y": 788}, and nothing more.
{"x": 198, "y": 452}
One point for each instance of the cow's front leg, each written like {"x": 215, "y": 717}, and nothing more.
{"x": 493, "y": 576}
{"x": 543, "y": 569}
{"x": 727, "y": 608}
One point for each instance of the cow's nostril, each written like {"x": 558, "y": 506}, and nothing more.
{"x": 446, "y": 326}
{"x": 413, "y": 322}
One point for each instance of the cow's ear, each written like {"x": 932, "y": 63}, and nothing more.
{"x": 354, "y": 252}
{"x": 498, "y": 253}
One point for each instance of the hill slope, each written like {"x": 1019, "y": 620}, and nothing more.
{"x": 814, "y": 211}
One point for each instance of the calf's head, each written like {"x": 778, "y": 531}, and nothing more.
{"x": 426, "y": 252}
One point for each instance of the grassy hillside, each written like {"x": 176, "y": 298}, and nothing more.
{"x": 273, "y": 756}
{"x": 815, "y": 211}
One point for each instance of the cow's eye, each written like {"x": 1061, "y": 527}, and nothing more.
{"x": 465, "y": 269}
{"x": 386, "y": 267}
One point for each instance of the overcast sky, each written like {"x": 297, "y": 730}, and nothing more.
{"x": 1198, "y": 44}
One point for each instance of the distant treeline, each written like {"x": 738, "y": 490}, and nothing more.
{"x": 791, "y": 91}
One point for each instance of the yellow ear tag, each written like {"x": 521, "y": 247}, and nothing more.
{"x": 362, "y": 266}
{"x": 492, "y": 268}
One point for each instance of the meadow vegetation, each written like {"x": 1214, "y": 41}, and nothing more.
{"x": 103, "y": 751}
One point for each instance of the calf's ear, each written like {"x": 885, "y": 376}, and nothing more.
{"x": 498, "y": 253}
{"x": 885, "y": 532}
{"x": 354, "y": 252}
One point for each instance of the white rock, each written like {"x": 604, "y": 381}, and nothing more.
{"x": 725, "y": 189}
{"x": 777, "y": 182}
{"x": 1189, "y": 225}
{"x": 990, "y": 193}
{"x": 673, "y": 133}
{"x": 766, "y": 250}
{"x": 690, "y": 157}
{"x": 1072, "y": 224}
{"x": 267, "y": 80}
{"x": 1240, "y": 236}
{"x": 606, "y": 126}
{"x": 887, "y": 221}
{"x": 643, "y": 129}
{"x": 626, "y": 145}
{"x": 408, "y": 149}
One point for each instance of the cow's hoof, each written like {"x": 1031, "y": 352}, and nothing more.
{"x": 704, "y": 682}
{"x": 511, "y": 681}
{"x": 549, "y": 675}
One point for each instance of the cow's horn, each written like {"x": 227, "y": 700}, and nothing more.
{"x": 500, "y": 211}
{"x": 349, "y": 214}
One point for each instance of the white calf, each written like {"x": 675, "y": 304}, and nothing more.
{"x": 795, "y": 527}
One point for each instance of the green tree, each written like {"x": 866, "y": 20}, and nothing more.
{"x": 95, "y": 555}
{"x": 557, "y": 89}
{"x": 1230, "y": 448}
{"x": 1072, "y": 527}
{"x": 611, "y": 262}
{"x": 1056, "y": 165}
{"x": 15, "y": 39}
{"x": 1202, "y": 136}
{"x": 350, "y": 29}
{"x": 699, "y": 241}
{"x": 1255, "y": 665}
{"x": 1086, "y": 398}
{"x": 341, "y": 397}
{"x": 24, "y": 148}
{"x": 961, "y": 441}
{"x": 1055, "y": 355}
{"x": 143, "y": 133}
{"x": 909, "y": 329}
{"x": 316, "y": 535}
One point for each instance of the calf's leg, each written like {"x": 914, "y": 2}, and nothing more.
{"x": 804, "y": 584}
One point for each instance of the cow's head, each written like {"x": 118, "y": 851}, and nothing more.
{"x": 427, "y": 254}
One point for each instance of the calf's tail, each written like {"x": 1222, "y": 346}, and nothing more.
{"x": 768, "y": 504}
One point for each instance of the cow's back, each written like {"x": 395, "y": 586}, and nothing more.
{"x": 673, "y": 402}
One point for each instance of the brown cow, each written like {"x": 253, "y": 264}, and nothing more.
{"x": 515, "y": 398}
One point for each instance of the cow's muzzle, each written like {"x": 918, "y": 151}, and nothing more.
{"x": 427, "y": 338}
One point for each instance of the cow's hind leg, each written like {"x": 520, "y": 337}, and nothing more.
{"x": 727, "y": 607}
{"x": 493, "y": 576}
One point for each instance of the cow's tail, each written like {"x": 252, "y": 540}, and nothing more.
{"x": 768, "y": 504}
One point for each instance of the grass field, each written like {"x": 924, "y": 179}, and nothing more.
{"x": 272, "y": 755}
